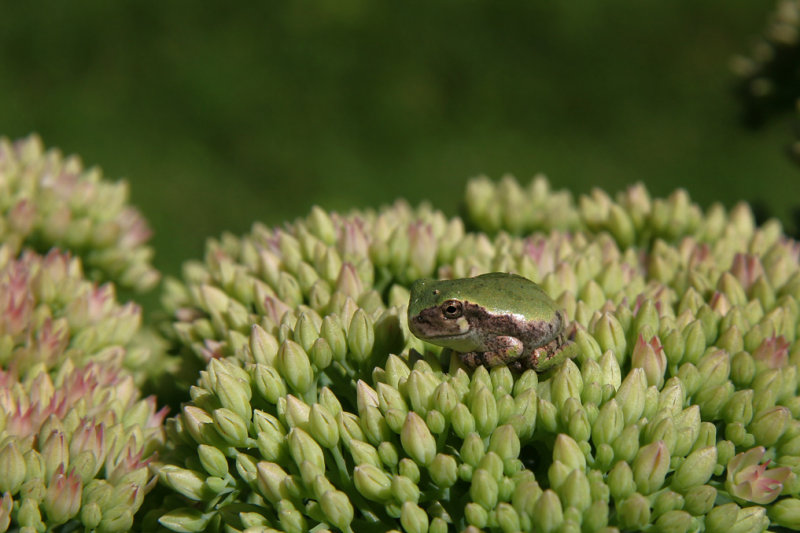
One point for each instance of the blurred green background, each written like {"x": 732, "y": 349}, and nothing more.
{"x": 222, "y": 114}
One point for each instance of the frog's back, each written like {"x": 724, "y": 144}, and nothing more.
{"x": 501, "y": 293}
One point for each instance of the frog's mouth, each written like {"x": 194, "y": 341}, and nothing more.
{"x": 430, "y": 324}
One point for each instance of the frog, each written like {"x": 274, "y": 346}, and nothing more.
{"x": 493, "y": 319}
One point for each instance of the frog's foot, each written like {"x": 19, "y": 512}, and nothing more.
{"x": 471, "y": 360}
{"x": 551, "y": 354}
{"x": 502, "y": 350}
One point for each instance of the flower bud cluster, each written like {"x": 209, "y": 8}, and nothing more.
{"x": 318, "y": 408}
{"x": 75, "y": 447}
{"x": 75, "y": 436}
{"x": 50, "y": 314}
{"x": 49, "y": 200}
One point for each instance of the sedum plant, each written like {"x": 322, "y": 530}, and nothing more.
{"x": 49, "y": 200}
{"x": 51, "y": 315}
{"x": 76, "y": 437}
{"x": 317, "y": 410}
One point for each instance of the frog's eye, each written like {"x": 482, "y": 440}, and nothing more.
{"x": 452, "y": 309}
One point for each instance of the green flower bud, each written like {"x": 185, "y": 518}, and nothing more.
{"x": 484, "y": 489}
{"x": 484, "y": 409}
{"x": 476, "y": 515}
{"x": 547, "y": 416}
{"x": 557, "y": 474}
{"x": 595, "y": 518}
{"x": 29, "y": 516}
{"x": 524, "y": 418}
{"x": 695, "y": 342}
{"x": 507, "y": 518}
{"x": 739, "y": 407}
{"x": 291, "y": 520}
{"x": 505, "y": 442}
{"x": 721, "y": 519}
{"x": 786, "y": 513}
{"x": 626, "y": 445}
{"x": 713, "y": 399}
{"x": 661, "y": 428}
{"x": 12, "y": 464}
{"x": 620, "y": 481}
{"x": 743, "y": 369}
{"x": 472, "y": 449}
{"x": 404, "y": 489}
{"x": 230, "y": 426}
{"x": 588, "y": 347}
{"x": 700, "y": 500}
{"x": 234, "y": 394}
{"x": 675, "y": 521}
{"x": 364, "y": 453}
{"x": 769, "y": 425}
{"x": 268, "y": 382}
{"x": 666, "y": 501}
{"x": 360, "y": 336}
{"x": 443, "y": 470}
{"x": 246, "y": 467}
{"x": 631, "y": 395}
{"x": 567, "y": 451}
{"x": 610, "y": 370}
{"x": 332, "y": 331}
{"x": 263, "y": 346}
{"x": 409, "y": 469}
{"x": 674, "y": 344}
{"x": 295, "y": 366}
{"x": 186, "y": 482}
{"x": 609, "y": 423}
{"x": 435, "y": 421}
{"x": 696, "y": 469}
{"x": 687, "y": 429}
{"x": 270, "y": 479}
{"x": 372, "y": 482}
{"x": 302, "y": 447}
{"x": 566, "y": 383}
{"x": 548, "y": 511}
{"x": 417, "y": 440}
{"x": 634, "y": 512}
{"x": 610, "y": 336}
{"x": 492, "y": 463}
{"x": 322, "y": 426}
{"x": 731, "y": 340}
{"x": 462, "y": 420}
{"x": 714, "y": 368}
{"x": 337, "y": 508}
{"x": 575, "y": 491}
{"x": 320, "y": 353}
{"x": 750, "y": 519}
{"x": 213, "y": 460}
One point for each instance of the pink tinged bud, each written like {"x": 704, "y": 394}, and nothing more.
{"x": 650, "y": 357}
{"x": 773, "y": 352}
{"x": 62, "y": 500}
{"x": 55, "y": 452}
{"x": 750, "y": 481}
{"x": 650, "y": 467}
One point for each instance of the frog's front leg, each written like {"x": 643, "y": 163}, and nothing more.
{"x": 551, "y": 354}
{"x": 500, "y": 350}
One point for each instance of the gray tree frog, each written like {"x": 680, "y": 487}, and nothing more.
{"x": 493, "y": 319}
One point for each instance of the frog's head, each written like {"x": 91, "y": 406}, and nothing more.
{"x": 436, "y": 310}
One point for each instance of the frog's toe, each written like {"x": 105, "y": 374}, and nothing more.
{"x": 471, "y": 359}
